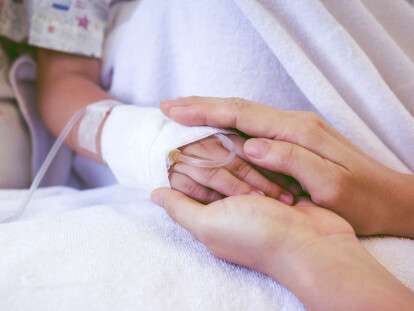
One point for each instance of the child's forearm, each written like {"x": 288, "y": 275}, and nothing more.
{"x": 66, "y": 84}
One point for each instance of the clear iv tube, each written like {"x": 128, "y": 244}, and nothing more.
{"x": 225, "y": 141}
{"x": 45, "y": 166}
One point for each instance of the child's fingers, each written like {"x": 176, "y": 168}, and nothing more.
{"x": 209, "y": 148}
{"x": 193, "y": 189}
{"x": 241, "y": 177}
{"x": 247, "y": 173}
{"x": 218, "y": 179}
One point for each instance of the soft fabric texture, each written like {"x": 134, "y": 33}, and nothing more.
{"x": 67, "y": 26}
{"x": 111, "y": 249}
{"x": 136, "y": 142}
{"x": 342, "y": 59}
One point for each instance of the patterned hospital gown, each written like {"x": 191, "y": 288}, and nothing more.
{"x": 71, "y": 26}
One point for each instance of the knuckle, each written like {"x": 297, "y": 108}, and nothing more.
{"x": 241, "y": 169}
{"x": 238, "y": 187}
{"x": 287, "y": 156}
{"x": 238, "y": 103}
{"x": 334, "y": 191}
{"x": 190, "y": 187}
{"x": 211, "y": 175}
{"x": 310, "y": 127}
{"x": 185, "y": 184}
{"x": 314, "y": 119}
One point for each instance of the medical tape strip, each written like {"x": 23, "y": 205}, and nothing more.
{"x": 91, "y": 122}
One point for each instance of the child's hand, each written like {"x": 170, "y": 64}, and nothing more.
{"x": 211, "y": 184}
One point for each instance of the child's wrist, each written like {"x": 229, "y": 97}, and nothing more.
{"x": 89, "y": 131}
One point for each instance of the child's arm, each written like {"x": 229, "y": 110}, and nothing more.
{"x": 67, "y": 83}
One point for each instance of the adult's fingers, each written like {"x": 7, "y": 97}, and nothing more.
{"x": 193, "y": 189}
{"x": 257, "y": 120}
{"x": 316, "y": 174}
{"x": 221, "y": 112}
{"x": 185, "y": 211}
{"x": 283, "y": 181}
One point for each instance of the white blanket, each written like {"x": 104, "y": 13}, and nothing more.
{"x": 346, "y": 60}
{"x": 111, "y": 249}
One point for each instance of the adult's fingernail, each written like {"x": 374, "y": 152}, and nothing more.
{"x": 286, "y": 198}
{"x": 256, "y": 148}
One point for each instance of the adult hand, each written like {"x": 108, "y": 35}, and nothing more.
{"x": 337, "y": 175}
{"x": 310, "y": 250}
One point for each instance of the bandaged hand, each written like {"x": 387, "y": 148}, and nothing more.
{"x": 136, "y": 143}
{"x": 238, "y": 177}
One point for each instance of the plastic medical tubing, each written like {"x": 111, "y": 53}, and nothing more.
{"x": 178, "y": 157}
{"x": 225, "y": 141}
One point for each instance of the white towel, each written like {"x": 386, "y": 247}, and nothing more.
{"x": 111, "y": 249}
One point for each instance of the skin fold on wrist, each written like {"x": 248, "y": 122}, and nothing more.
{"x": 325, "y": 274}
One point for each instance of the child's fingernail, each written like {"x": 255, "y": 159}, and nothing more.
{"x": 256, "y": 148}
{"x": 257, "y": 192}
{"x": 286, "y": 198}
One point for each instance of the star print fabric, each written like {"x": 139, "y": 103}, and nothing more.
{"x": 71, "y": 26}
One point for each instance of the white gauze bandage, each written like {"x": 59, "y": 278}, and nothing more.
{"x": 91, "y": 122}
{"x": 136, "y": 143}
